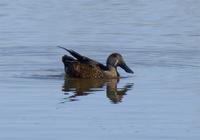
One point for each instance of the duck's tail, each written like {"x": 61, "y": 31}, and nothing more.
{"x": 67, "y": 60}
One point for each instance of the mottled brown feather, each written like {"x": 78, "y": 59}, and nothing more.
{"x": 82, "y": 70}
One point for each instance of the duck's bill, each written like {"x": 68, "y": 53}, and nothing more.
{"x": 126, "y": 68}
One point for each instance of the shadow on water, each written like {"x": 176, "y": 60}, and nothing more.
{"x": 84, "y": 87}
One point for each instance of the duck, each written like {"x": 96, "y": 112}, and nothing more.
{"x": 79, "y": 66}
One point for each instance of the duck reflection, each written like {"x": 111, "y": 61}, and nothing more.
{"x": 116, "y": 94}
{"x": 83, "y": 87}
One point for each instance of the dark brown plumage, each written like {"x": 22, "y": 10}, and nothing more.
{"x": 80, "y": 66}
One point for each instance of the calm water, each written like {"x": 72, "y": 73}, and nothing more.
{"x": 159, "y": 41}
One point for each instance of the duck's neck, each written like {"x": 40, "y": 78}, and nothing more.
{"x": 111, "y": 67}
{"x": 112, "y": 71}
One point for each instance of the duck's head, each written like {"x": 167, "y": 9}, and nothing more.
{"x": 115, "y": 60}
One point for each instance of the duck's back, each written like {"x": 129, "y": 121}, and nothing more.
{"x": 77, "y": 69}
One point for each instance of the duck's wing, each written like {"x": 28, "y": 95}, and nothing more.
{"x": 85, "y": 59}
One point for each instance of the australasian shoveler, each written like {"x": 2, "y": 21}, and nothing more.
{"x": 80, "y": 66}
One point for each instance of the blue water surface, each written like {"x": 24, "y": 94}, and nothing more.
{"x": 158, "y": 39}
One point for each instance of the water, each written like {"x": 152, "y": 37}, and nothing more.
{"x": 159, "y": 41}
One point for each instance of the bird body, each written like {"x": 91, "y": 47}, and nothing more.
{"x": 80, "y": 66}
